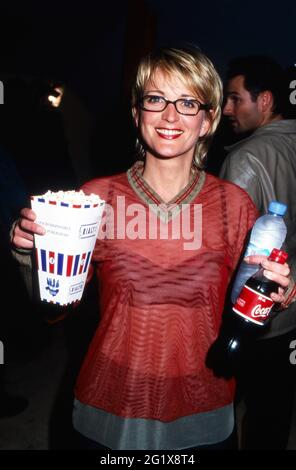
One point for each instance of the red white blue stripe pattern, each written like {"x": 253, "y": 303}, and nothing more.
{"x": 64, "y": 204}
{"x": 60, "y": 264}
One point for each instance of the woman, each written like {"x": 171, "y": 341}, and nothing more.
{"x": 165, "y": 255}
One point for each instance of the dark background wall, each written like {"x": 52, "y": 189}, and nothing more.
{"x": 93, "y": 48}
{"x": 228, "y": 28}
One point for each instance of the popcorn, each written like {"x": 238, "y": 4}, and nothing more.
{"x": 69, "y": 198}
{"x": 71, "y": 220}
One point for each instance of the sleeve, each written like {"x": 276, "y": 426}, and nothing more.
{"x": 290, "y": 294}
{"x": 248, "y": 216}
{"x": 24, "y": 260}
{"x": 241, "y": 168}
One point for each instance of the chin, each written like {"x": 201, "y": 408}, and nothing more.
{"x": 235, "y": 127}
{"x": 164, "y": 155}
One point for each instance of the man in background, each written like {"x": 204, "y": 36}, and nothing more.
{"x": 263, "y": 163}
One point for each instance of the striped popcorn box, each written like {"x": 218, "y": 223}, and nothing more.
{"x": 63, "y": 254}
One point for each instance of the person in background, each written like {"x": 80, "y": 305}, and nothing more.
{"x": 13, "y": 196}
{"x": 144, "y": 383}
{"x": 263, "y": 163}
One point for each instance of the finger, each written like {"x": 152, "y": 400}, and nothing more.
{"x": 280, "y": 279}
{"x": 28, "y": 213}
{"x": 24, "y": 230}
{"x": 21, "y": 242}
{"x": 28, "y": 226}
{"x": 255, "y": 259}
{"x": 19, "y": 233}
{"x": 277, "y": 297}
{"x": 22, "y": 239}
{"x": 283, "y": 269}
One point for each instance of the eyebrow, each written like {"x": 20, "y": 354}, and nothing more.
{"x": 184, "y": 95}
{"x": 232, "y": 93}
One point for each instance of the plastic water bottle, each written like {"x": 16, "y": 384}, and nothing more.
{"x": 245, "y": 322}
{"x": 268, "y": 232}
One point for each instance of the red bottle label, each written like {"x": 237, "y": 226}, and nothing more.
{"x": 253, "y": 306}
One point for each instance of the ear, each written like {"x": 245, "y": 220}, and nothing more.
{"x": 265, "y": 101}
{"x": 205, "y": 126}
{"x": 135, "y": 113}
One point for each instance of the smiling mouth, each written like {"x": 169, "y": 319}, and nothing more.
{"x": 169, "y": 133}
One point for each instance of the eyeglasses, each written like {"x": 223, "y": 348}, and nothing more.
{"x": 157, "y": 104}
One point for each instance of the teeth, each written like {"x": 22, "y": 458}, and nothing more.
{"x": 169, "y": 131}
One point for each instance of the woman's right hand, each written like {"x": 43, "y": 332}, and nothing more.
{"x": 25, "y": 228}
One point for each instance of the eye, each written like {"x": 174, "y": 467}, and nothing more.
{"x": 189, "y": 104}
{"x": 153, "y": 99}
{"x": 235, "y": 99}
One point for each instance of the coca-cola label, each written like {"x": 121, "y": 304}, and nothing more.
{"x": 253, "y": 306}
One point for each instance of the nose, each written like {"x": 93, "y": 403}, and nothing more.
{"x": 170, "y": 113}
{"x": 228, "y": 108}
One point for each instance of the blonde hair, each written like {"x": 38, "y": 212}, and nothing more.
{"x": 197, "y": 72}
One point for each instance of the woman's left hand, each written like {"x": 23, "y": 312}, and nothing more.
{"x": 279, "y": 273}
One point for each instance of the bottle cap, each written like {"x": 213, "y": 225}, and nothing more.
{"x": 278, "y": 208}
{"x": 279, "y": 256}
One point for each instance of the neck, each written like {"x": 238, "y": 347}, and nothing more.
{"x": 271, "y": 118}
{"x": 167, "y": 176}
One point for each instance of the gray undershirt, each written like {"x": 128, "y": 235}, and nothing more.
{"x": 120, "y": 433}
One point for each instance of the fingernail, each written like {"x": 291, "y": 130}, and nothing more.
{"x": 267, "y": 274}
{"x": 41, "y": 231}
